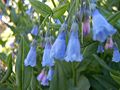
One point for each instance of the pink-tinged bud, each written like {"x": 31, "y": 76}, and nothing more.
{"x": 41, "y": 75}
{"x": 109, "y": 43}
{"x": 86, "y": 27}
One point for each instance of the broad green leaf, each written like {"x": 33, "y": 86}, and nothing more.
{"x": 41, "y": 7}
{"x": 106, "y": 82}
{"x": 116, "y": 78}
{"x": 83, "y": 83}
{"x": 59, "y": 81}
{"x": 33, "y": 83}
{"x": 23, "y": 74}
{"x": 102, "y": 63}
{"x": 60, "y": 10}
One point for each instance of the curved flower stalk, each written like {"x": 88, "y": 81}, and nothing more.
{"x": 116, "y": 55}
{"x": 101, "y": 28}
{"x": 109, "y": 43}
{"x": 73, "y": 48}
{"x": 34, "y": 30}
{"x": 31, "y": 57}
{"x": 59, "y": 46}
{"x": 47, "y": 60}
{"x": 100, "y": 49}
{"x": 50, "y": 74}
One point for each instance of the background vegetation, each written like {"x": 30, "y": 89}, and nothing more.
{"x": 95, "y": 72}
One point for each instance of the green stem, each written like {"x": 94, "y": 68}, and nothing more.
{"x": 53, "y": 3}
{"x": 74, "y": 74}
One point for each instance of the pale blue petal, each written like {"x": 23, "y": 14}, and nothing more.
{"x": 73, "y": 48}
{"x": 47, "y": 60}
{"x": 116, "y": 56}
{"x": 31, "y": 57}
{"x": 45, "y": 81}
{"x": 100, "y": 49}
{"x": 59, "y": 46}
{"x": 35, "y": 30}
{"x": 50, "y": 74}
{"x": 101, "y": 28}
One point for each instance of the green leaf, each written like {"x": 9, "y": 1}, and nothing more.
{"x": 83, "y": 83}
{"x": 106, "y": 82}
{"x": 59, "y": 81}
{"x": 23, "y": 74}
{"x": 60, "y": 10}
{"x": 41, "y": 8}
{"x": 114, "y": 18}
{"x": 102, "y": 63}
{"x": 115, "y": 77}
{"x": 9, "y": 70}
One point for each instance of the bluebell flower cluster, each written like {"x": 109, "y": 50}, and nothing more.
{"x": 42, "y": 78}
{"x": 101, "y": 28}
{"x": 34, "y": 30}
{"x": 47, "y": 60}
{"x": 31, "y": 57}
{"x": 59, "y": 47}
{"x": 45, "y": 77}
{"x": 73, "y": 52}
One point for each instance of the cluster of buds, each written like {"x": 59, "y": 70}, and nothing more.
{"x": 45, "y": 77}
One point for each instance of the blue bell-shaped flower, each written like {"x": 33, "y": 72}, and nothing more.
{"x": 31, "y": 57}
{"x": 45, "y": 81}
{"x": 59, "y": 46}
{"x": 73, "y": 52}
{"x": 35, "y": 30}
{"x": 50, "y": 74}
{"x": 29, "y": 11}
{"x": 116, "y": 55}
{"x": 100, "y": 49}
{"x": 101, "y": 28}
{"x": 47, "y": 60}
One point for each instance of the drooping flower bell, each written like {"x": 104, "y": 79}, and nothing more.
{"x": 109, "y": 43}
{"x": 59, "y": 47}
{"x": 50, "y": 74}
{"x": 31, "y": 57}
{"x": 116, "y": 55}
{"x": 73, "y": 52}
{"x": 41, "y": 75}
{"x": 101, "y": 28}
{"x": 42, "y": 78}
{"x": 47, "y": 60}
{"x": 34, "y": 30}
{"x": 29, "y": 11}
{"x": 86, "y": 21}
{"x": 45, "y": 81}
{"x": 100, "y": 49}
